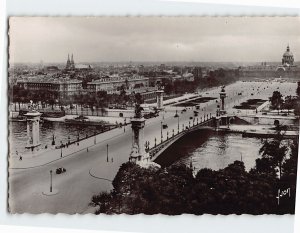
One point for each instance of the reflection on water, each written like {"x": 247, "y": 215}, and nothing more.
{"x": 61, "y": 131}
{"x": 208, "y": 149}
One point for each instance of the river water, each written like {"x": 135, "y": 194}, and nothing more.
{"x": 61, "y": 132}
{"x": 209, "y": 149}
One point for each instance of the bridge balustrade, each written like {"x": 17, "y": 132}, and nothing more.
{"x": 209, "y": 121}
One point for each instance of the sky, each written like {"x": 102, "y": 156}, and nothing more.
{"x": 158, "y": 39}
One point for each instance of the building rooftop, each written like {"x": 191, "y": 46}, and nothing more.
{"x": 47, "y": 79}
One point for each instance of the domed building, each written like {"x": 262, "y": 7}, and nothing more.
{"x": 288, "y": 57}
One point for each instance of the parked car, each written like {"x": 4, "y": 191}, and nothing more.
{"x": 165, "y": 126}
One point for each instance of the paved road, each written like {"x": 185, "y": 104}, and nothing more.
{"x": 77, "y": 186}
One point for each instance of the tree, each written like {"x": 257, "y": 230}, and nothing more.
{"x": 276, "y": 100}
{"x": 274, "y": 152}
{"x": 288, "y": 103}
{"x": 298, "y": 89}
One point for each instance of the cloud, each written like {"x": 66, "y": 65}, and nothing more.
{"x": 96, "y": 39}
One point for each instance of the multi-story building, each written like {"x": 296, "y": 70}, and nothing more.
{"x": 64, "y": 86}
{"x": 113, "y": 84}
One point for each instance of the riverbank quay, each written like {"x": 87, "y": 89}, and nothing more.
{"x": 259, "y": 131}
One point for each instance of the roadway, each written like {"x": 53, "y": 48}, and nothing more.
{"x": 77, "y": 186}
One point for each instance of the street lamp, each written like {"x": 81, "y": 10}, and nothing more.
{"x": 161, "y": 133}
{"x": 53, "y": 141}
{"x": 107, "y": 153}
{"x": 61, "y": 149}
{"x": 50, "y": 181}
{"x": 178, "y": 125}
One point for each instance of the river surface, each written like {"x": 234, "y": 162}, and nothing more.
{"x": 61, "y": 132}
{"x": 209, "y": 149}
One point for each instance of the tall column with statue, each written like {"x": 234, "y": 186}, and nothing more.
{"x": 222, "y": 97}
{"x": 33, "y": 127}
{"x": 138, "y": 153}
{"x": 160, "y": 97}
{"x": 221, "y": 116}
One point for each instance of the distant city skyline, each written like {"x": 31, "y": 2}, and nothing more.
{"x": 152, "y": 39}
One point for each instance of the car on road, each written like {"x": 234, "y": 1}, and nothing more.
{"x": 60, "y": 170}
{"x": 165, "y": 126}
{"x": 191, "y": 118}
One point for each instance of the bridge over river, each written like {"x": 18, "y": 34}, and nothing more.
{"x": 227, "y": 123}
{"x": 158, "y": 149}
